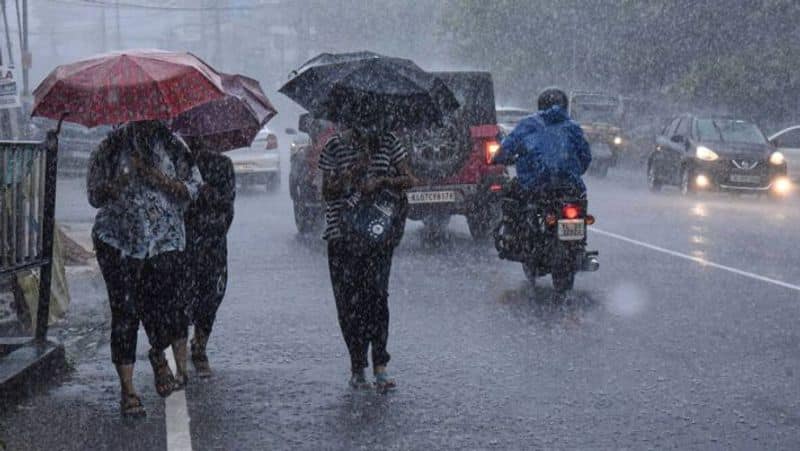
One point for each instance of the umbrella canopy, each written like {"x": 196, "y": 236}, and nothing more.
{"x": 368, "y": 89}
{"x": 230, "y": 122}
{"x": 125, "y": 86}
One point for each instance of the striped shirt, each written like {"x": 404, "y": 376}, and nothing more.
{"x": 340, "y": 154}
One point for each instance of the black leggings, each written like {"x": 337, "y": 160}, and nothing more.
{"x": 206, "y": 279}
{"x": 361, "y": 288}
{"x": 141, "y": 290}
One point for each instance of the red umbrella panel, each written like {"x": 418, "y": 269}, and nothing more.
{"x": 231, "y": 122}
{"x": 132, "y": 85}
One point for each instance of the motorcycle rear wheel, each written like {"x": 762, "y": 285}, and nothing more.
{"x": 563, "y": 281}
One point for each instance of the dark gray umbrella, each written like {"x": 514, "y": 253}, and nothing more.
{"x": 371, "y": 90}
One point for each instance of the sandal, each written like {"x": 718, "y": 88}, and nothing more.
{"x": 164, "y": 380}
{"x": 200, "y": 361}
{"x": 131, "y": 406}
{"x": 359, "y": 382}
{"x": 181, "y": 379}
{"x": 383, "y": 382}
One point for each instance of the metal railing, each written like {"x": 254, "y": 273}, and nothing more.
{"x": 27, "y": 213}
{"x": 22, "y": 177}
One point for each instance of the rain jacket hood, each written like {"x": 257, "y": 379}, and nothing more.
{"x": 554, "y": 115}
{"x": 549, "y": 150}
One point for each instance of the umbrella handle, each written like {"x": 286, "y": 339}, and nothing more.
{"x": 61, "y": 120}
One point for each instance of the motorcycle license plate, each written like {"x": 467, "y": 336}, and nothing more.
{"x": 431, "y": 197}
{"x": 571, "y": 229}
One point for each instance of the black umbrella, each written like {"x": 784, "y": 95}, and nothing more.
{"x": 368, "y": 89}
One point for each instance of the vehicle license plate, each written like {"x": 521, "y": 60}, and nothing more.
{"x": 751, "y": 179}
{"x": 431, "y": 197}
{"x": 571, "y": 229}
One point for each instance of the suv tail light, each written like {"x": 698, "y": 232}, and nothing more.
{"x": 272, "y": 142}
{"x": 492, "y": 146}
{"x": 571, "y": 211}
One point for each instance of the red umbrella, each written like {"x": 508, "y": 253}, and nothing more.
{"x": 231, "y": 122}
{"x": 131, "y": 85}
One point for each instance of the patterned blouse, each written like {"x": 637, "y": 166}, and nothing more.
{"x": 141, "y": 222}
{"x": 339, "y": 154}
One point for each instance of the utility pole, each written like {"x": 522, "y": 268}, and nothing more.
{"x": 103, "y": 30}
{"x": 119, "y": 33}
{"x": 8, "y": 34}
{"x": 26, "y": 55}
{"x": 217, "y": 37}
{"x": 5, "y": 116}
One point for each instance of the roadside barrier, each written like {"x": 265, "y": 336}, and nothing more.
{"x": 27, "y": 213}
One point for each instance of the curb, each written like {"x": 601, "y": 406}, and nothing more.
{"x": 28, "y": 365}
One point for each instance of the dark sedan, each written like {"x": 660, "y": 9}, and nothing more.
{"x": 716, "y": 154}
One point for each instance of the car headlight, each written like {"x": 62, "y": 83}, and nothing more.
{"x": 776, "y": 158}
{"x": 706, "y": 154}
{"x": 618, "y": 140}
{"x": 782, "y": 186}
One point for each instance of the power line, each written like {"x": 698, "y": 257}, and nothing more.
{"x": 130, "y": 5}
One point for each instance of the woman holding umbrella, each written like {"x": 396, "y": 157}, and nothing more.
{"x": 357, "y": 164}
{"x": 141, "y": 178}
{"x": 206, "y": 257}
{"x": 372, "y": 95}
{"x": 214, "y": 127}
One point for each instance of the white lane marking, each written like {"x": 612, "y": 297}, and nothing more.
{"x": 699, "y": 260}
{"x": 176, "y": 413}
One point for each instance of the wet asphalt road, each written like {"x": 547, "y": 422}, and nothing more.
{"x": 652, "y": 351}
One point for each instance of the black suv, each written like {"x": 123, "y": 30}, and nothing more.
{"x": 719, "y": 154}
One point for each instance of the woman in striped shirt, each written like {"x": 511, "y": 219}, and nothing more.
{"x": 355, "y": 164}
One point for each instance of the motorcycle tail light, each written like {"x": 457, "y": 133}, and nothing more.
{"x": 496, "y": 188}
{"x": 491, "y": 150}
{"x": 571, "y": 211}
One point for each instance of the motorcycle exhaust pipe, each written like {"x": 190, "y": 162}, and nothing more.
{"x": 591, "y": 263}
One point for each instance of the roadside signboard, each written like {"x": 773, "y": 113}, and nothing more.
{"x": 9, "y": 92}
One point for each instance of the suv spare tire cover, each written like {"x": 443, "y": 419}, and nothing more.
{"x": 439, "y": 151}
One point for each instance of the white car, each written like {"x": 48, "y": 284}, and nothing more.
{"x": 509, "y": 117}
{"x": 259, "y": 164}
{"x": 788, "y": 143}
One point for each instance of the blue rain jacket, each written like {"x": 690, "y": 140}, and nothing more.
{"x": 550, "y": 151}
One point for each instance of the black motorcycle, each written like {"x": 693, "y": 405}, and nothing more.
{"x": 547, "y": 234}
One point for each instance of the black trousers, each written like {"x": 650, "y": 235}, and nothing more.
{"x": 206, "y": 279}
{"x": 361, "y": 288}
{"x": 141, "y": 290}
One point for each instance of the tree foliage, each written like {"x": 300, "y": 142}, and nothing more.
{"x": 723, "y": 54}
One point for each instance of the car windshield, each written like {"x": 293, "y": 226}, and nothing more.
{"x": 595, "y": 109}
{"x": 728, "y": 130}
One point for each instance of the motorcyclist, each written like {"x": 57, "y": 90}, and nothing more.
{"x": 548, "y": 148}
{"x": 550, "y": 154}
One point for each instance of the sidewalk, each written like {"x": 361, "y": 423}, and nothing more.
{"x": 88, "y": 319}
{"x": 78, "y": 334}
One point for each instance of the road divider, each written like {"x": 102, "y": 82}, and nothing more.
{"x": 176, "y": 414}
{"x": 697, "y": 260}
